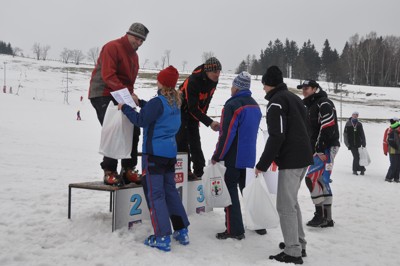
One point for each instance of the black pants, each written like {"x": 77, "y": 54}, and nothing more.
{"x": 233, "y": 214}
{"x": 101, "y": 104}
{"x": 394, "y": 169}
{"x": 188, "y": 140}
{"x": 356, "y": 160}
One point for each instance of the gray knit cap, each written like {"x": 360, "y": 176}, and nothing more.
{"x": 138, "y": 30}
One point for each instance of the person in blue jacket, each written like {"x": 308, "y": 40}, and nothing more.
{"x": 161, "y": 118}
{"x": 236, "y": 146}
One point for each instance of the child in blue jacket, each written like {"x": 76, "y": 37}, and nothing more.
{"x": 161, "y": 118}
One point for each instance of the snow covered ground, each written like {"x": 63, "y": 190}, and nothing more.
{"x": 43, "y": 148}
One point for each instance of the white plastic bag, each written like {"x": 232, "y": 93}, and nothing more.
{"x": 260, "y": 211}
{"x": 116, "y": 134}
{"x": 271, "y": 179}
{"x": 215, "y": 191}
{"x": 365, "y": 160}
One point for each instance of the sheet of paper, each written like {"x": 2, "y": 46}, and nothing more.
{"x": 124, "y": 96}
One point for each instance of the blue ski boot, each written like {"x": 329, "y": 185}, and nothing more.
{"x": 161, "y": 242}
{"x": 182, "y": 236}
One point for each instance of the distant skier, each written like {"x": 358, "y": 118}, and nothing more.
{"x": 78, "y": 115}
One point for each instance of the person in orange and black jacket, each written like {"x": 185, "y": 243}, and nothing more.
{"x": 354, "y": 138}
{"x": 197, "y": 91}
{"x": 394, "y": 154}
{"x": 117, "y": 68}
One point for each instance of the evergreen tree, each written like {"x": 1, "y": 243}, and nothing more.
{"x": 242, "y": 67}
{"x": 256, "y": 68}
{"x": 291, "y": 53}
{"x": 5, "y": 48}
{"x": 308, "y": 63}
{"x": 329, "y": 63}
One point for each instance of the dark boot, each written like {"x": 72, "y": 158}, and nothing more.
{"x": 226, "y": 235}
{"x": 261, "y": 231}
{"x": 318, "y": 218}
{"x": 283, "y": 257}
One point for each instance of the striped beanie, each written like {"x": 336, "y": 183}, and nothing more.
{"x": 242, "y": 81}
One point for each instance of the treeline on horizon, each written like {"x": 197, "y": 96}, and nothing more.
{"x": 5, "y": 48}
{"x": 368, "y": 60}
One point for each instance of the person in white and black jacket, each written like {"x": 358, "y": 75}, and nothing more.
{"x": 288, "y": 145}
{"x": 324, "y": 139}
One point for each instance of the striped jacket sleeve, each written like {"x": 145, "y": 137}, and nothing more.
{"x": 229, "y": 125}
{"x": 327, "y": 130}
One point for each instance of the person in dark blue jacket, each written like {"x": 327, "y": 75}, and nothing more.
{"x": 161, "y": 119}
{"x": 236, "y": 146}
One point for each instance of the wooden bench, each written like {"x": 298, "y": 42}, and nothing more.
{"x": 99, "y": 186}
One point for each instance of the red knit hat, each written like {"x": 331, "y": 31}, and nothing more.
{"x": 168, "y": 77}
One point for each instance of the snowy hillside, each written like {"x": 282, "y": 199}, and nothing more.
{"x": 43, "y": 148}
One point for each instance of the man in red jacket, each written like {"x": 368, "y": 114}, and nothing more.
{"x": 117, "y": 68}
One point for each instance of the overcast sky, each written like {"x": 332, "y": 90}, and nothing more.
{"x": 231, "y": 29}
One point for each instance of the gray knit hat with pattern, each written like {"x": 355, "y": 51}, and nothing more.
{"x": 138, "y": 30}
{"x": 212, "y": 64}
{"x": 242, "y": 81}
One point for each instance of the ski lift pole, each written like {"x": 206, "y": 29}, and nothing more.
{"x": 66, "y": 90}
{"x": 5, "y": 74}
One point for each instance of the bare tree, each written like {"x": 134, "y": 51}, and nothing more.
{"x": 156, "y": 63}
{"x": 16, "y": 51}
{"x": 207, "y": 55}
{"x": 77, "y": 56}
{"x": 145, "y": 62}
{"x": 66, "y": 55}
{"x": 93, "y": 54}
{"x": 353, "y": 58}
{"x": 37, "y": 50}
{"x": 184, "y": 63}
{"x": 248, "y": 62}
{"x": 163, "y": 58}
{"x": 167, "y": 55}
{"x": 45, "y": 50}
{"x": 368, "y": 54}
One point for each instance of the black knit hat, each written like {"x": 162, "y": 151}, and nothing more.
{"x": 212, "y": 64}
{"x": 138, "y": 30}
{"x": 272, "y": 77}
